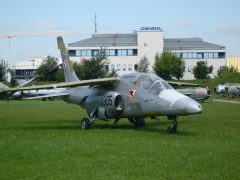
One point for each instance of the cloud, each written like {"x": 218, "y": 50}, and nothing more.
{"x": 226, "y": 35}
{"x": 225, "y": 30}
{"x": 180, "y": 25}
{"x": 45, "y": 25}
{"x": 39, "y": 26}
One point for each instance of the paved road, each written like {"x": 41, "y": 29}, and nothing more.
{"x": 226, "y": 101}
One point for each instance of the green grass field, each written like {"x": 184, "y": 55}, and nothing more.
{"x": 43, "y": 140}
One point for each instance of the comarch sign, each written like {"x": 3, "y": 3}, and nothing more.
{"x": 150, "y": 28}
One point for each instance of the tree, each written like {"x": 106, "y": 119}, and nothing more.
{"x": 167, "y": 65}
{"x": 48, "y": 64}
{"x": 223, "y": 70}
{"x": 202, "y": 70}
{"x": 3, "y": 70}
{"x": 143, "y": 65}
{"x": 93, "y": 68}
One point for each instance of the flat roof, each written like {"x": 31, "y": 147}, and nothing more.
{"x": 106, "y": 40}
{"x": 189, "y": 44}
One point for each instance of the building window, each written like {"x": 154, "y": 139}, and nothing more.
{"x": 118, "y": 67}
{"x": 215, "y": 55}
{"x": 190, "y": 55}
{"x": 111, "y": 52}
{"x": 184, "y": 55}
{"x": 130, "y": 52}
{"x": 194, "y": 55}
{"x": 124, "y": 52}
{"x": 130, "y": 67}
{"x": 178, "y": 54}
{"x": 119, "y": 52}
{"x": 135, "y": 52}
{"x": 221, "y": 55}
{"x": 124, "y": 67}
{"x": 135, "y": 67}
{"x": 107, "y": 67}
{"x": 84, "y": 53}
{"x": 95, "y": 52}
{"x": 112, "y": 67}
{"x": 200, "y": 55}
{"x": 78, "y": 53}
{"x": 206, "y": 56}
{"x": 72, "y": 52}
{"x": 210, "y": 55}
{"x": 89, "y": 53}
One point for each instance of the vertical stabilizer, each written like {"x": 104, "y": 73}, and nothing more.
{"x": 69, "y": 73}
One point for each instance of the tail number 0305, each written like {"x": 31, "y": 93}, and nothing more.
{"x": 107, "y": 100}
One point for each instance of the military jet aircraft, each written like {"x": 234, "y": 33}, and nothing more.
{"x": 36, "y": 94}
{"x": 197, "y": 93}
{"x": 231, "y": 89}
{"x": 221, "y": 89}
{"x": 134, "y": 96}
{"x": 40, "y": 94}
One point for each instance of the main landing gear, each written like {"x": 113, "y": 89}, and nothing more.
{"x": 138, "y": 122}
{"x": 173, "y": 127}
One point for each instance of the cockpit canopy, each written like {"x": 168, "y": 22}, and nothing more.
{"x": 151, "y": 82}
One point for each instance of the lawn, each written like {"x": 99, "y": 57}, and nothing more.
{"x": 43, "y": 140}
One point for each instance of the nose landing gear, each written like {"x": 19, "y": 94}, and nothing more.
{"x": 173, "y": 127}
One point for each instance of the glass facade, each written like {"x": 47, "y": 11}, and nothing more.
{"x": 109, "y": 52}
{"x": 201, "y": 55}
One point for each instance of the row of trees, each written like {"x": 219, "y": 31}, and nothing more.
{"x": 3, "y": 69}
{"x": 166, "y": 65}
{"x": 96, "y": 67}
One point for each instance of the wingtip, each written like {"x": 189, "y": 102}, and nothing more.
{"x": 60, "y": 43}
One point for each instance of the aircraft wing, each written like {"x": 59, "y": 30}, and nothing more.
{"x": 47, "y": 96}
{"x": 177, "y": 83}
{"x": 29, "y": 82}
{"x": 102, "y": 81}
{"x": 187, "y": 94}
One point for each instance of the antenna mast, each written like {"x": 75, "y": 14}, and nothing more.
{"x": 95, "y": 23}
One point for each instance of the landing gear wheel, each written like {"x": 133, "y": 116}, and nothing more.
{"x": 172, "y": 129}
{"x": 139, "y": 122}
{"x": 85, "y": 123}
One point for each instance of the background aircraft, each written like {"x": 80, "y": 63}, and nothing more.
{"x": 36, "y": 94}
{"x": 197, "y": 93}
{"x": 133, "y": 96}
{"x": 231, "y": 89}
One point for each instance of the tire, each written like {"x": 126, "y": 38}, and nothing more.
{"x": 85, "y": 123}
{"x": 140, "y": 122}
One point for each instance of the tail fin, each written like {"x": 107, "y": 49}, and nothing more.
{"x": 69, "y": 73}
{"x": 3, "y": 86}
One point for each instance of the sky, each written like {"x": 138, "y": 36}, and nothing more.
{"x": 216, "y": 21}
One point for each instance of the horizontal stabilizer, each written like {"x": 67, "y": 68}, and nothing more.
{"x": 103, "y": 81}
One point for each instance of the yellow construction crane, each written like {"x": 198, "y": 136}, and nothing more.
{"x": 38, "y": 34}
{"x": 9, "y": 36}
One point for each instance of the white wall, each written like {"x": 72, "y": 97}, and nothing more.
{"x": 149, "y": 44}
{"x": 190, "y": 63}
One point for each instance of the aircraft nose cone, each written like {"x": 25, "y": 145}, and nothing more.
{"x": 193, "y": 107}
